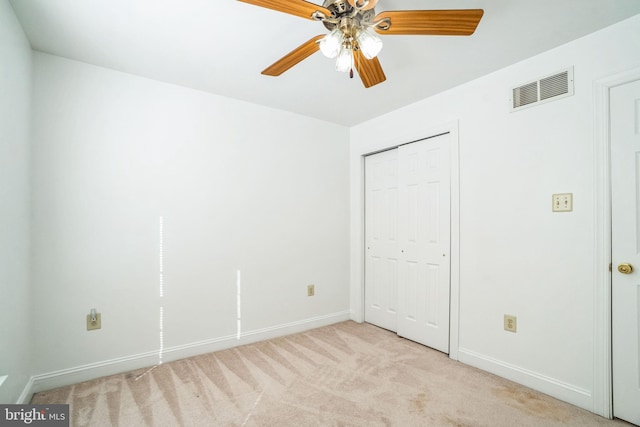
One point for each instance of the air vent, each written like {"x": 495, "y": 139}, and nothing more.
{"x": 525, "y": 95}
{"x": 546, "y": 89}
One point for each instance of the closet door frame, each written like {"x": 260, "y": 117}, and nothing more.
{"x": 357, "y": 156}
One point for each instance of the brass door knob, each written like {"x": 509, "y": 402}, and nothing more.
{"x": 625, "y": 268}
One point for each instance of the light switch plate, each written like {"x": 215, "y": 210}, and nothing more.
{"x": 562, "y": 202}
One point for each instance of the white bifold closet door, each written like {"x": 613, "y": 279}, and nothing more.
{"x": 407, "y": 233}
{"x": 381, "y": 231}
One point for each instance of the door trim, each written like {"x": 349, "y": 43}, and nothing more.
{"x": 357, "y": 241}
{"x": 603, "y": 367}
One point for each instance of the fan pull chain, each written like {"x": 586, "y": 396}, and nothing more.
{"x": 357, "y": 59}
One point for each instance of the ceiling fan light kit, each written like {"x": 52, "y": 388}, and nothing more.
{"x": 352, "y": 23}
{"x": 345, "y": 58}
{"x": 369, "y": 43}
{"x": 330, "y": 45}
{"x": 349, "y": 24}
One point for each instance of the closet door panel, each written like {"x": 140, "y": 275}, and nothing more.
{"x": 424, "y": 242}
{"x": 381, "y": 230}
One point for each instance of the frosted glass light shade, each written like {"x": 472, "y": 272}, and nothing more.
{"x": 369, "y": 43}
{"x": 344, "y": 62}
{"x": 330, "y": 44}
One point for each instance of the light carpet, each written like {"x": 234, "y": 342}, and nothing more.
{"x": 347, "y": 374}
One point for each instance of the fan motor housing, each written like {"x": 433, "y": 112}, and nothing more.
{"x": 337, "y": 7}
{"x": 341, "y": 8}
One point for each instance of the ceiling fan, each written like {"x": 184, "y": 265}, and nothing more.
{"x": 353, "y": 25}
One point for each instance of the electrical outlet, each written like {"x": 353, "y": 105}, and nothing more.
{"x": 510, "y": 323}
{"x": 94, "y": 324}
{"x": 311, "y": 291}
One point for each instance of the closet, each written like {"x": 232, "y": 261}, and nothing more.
{"x": 407, "y": 240}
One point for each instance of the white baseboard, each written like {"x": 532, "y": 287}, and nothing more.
{"x": 64, "y": 377}
{"x": 560, "y": 390}
{"x": 26, "y": 394}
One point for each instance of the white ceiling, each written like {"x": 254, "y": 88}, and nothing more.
{"x": 221, "y": 46}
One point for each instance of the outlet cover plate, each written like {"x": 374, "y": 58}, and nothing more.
{"x": 311, "y": 290}
{"x": 510, "y": 323}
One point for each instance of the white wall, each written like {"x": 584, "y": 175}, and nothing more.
{"x": 243, "y": 187}
{"x": 516, "y": 256}
{"x": 239, "y": 187}
{"x": 15, "y": 307}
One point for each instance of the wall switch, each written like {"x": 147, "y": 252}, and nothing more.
{"x": 311, "y": 290}
{"x": 562, "y": 202}
{"x": 510, "y": 323}
{"x": 94, "y": 324}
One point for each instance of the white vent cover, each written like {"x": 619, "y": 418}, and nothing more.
{"x": 550, "y": 88}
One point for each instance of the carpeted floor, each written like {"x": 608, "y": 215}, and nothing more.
{"x": 347, "y": 374}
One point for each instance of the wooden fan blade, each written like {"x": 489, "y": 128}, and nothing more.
{"x": 461, "y": 22}
{"x": 300, "y": 8}
{"x": 292, "y": 58}
{"x": 369, "y": 70}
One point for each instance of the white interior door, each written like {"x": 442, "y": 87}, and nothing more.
{"x": 625, "y": 193}
{"x": 424, "y": 242}
{"x": 381, "y": 239}
{"x": 407, "y": 238}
